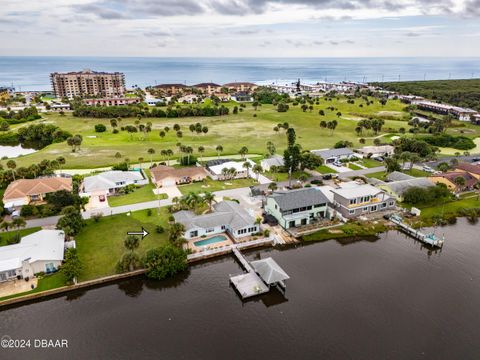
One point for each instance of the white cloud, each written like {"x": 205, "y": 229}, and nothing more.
{"x": 239, "y": 27}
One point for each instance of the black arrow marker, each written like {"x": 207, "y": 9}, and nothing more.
{"x": 143, "y": 233}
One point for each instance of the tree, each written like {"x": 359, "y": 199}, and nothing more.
{"x": 209, "y": 198}
{"x": 460, "y": 182}
{"x": 257, "y": 169}
{"x": 321, "y": 112}
{"x": 132, "y": 242}
{"x": 276, "y": 129}
{"x": 201, "y": 150}
{"x": 4, "y": 126}
{"x": 175, "y": 233}
{"x": 272, "y": 186}
{"x": 391, "y": 164}
{"x": 100, "y": 128}
{"x": 151, "y": 151}
{"x": 255, "y": 105}
{"x": 219, "y": 150}
{"x": 176, "y": 127}
{"x": 271, "y": 148}
{"x": 164, "y": 262}
{"x": 243, "y": 152}
{"x": 443, "y": 167}
{"x": 339, "y": 114}
{"x": 71, "y": 221}
{"x": 162, "y": 134}
{"x": 291, "y": 137}
{"x": 11, "y": 164}
{"x": 247, "y": 166}
{"x": 18, "y": 223}
{"x": 72, "y": 266}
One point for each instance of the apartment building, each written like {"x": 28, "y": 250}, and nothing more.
{"x": 88, "y": 83}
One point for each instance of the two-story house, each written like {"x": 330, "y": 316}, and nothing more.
{"x": 297, "y": 207}
{"x": 354, "y": 200}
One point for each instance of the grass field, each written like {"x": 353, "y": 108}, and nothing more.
{"x": 283, "y": 176}
{"x": 230, "y": 131}
{"x": 323, "y": 169}
{"x": 214, "y": 185}
{"x": 416, "y": 173}
{"x": 370, "y": 163}
{"x": 451, "y": 207}
{"x": 381, "y": 175}
{"x": 4, "y": 236}
{"x": 353, "y": 166}
{"x": 100, "y": 244}
{"x": 141, "y": 194}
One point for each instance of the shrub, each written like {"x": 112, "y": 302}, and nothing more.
{"x": 159, "y": 229}
{"x": 100, "y": 128}
{"x": 27, "y": 210}
{"x": 149, "y": 212}
{"x": 96, "y": 217}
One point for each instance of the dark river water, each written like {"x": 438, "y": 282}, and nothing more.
{"x": 384, "y": 299}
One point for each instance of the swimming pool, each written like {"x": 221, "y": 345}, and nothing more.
{"x": 211, "y": 240}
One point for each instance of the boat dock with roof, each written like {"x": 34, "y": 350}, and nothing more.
{"x": 260, "y": 276}
{"x": 429, "y": 239}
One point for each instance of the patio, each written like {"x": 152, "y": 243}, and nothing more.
{"x": 12, "y": 287}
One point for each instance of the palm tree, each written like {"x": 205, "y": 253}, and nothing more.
{"x": 209, "y": 198}
{"x": 11, "y": 164}
{"x": 219, "y": 149}
{"x": 169, "y": 153}
{"x": 460, "y": 182}
{"x": 201, "y": 150}
{"x": 132, "y": 242}
{"x": 151, "y": 151}
{"x": 176, "y": 231}
{"x": 243, "y": 151}
{"x": 247, "y": 166}
{"x": 257, "y": 169}
{"x": 225, "y": 172}
{"x": 18, "y": 223}
{"x": 5, "y": 225}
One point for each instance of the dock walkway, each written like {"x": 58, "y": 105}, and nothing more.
{"x": 429, "y": 239}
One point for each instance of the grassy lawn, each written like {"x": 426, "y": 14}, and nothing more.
{"x": 347, "y": 230}
{"x": 416, "y": 173}
{"x": 354, "y": 166}
{"x": 370, "y": 163}
{"x": 4, "y": 236}
{"x": 48, "y": 282}
{"x": 282, "y": 176}
{"x": 324, "y": 169}
{"x": 451, "y": 207}
{"x": 100, "y": 244}
{"x": 231, "y": 131}
{"x": 213, "y": 185}
{"x": 141, "y": 194}
{"x": 381, "y": 175}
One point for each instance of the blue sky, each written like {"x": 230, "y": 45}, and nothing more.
{"x": 251, "y": 28}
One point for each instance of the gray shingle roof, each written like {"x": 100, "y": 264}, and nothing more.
{"x": 275, "y": 160}
{"x": 399, "y": 187}
{"x": 398, "y": 176}
{"x": 269, "y": 270}
{"x": 294, "y": 199}
{"x": 225, "y": 213}
{"x": 325, "y": 154}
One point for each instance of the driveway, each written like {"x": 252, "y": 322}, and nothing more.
{"x": 339, "y": 169}
{"x": 241, "y": 194}
{"x": 170, "y": 191}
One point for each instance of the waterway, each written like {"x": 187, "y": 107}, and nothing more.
{"x": 385, "y": 298}
{"x": 14, "y": 151}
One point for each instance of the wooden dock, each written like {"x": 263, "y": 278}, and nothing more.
{"x": 429, "y": 239}
{"x": 249, "y": 284}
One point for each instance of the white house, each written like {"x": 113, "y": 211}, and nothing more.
{"x": 109, "y": 182}
{"x": 38, "y": 252}
{"x": 228, "y": 217}
{"x": 376, "y": 151}
{"x": 333, "y": 155}
{"x": 240, "y": 171}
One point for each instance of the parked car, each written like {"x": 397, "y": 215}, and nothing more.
{"x": 428, "y": 169}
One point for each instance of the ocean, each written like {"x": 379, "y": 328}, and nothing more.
{"x": 32, "y": 73}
